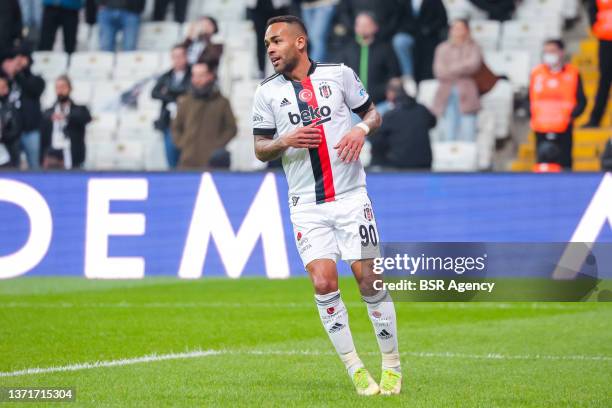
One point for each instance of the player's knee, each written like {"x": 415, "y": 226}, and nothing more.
{"x": 324, "y": 285}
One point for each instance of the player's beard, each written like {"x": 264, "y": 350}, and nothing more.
{"x": 290, "y": 64}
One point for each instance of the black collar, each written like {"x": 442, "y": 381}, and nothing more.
{"x": 311, "y": 70}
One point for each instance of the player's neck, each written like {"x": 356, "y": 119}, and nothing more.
{"x": 302, "y": 70}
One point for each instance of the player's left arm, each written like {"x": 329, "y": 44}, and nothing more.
{"x": 358, "y": 100}
{"x": 349, "y": 147}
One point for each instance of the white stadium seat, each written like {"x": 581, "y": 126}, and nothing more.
{"x": 82, "y": 92}
{"x": 137, "y": 125}
{"x": 158, "y": 36}
{"x": 137, "y": 65}
{"x": 102, "y": 127}
{"x": 499, "y": 101}
{"x": 49, "y": 64}
{"x": 514, "y": 64}
{"x": 454, "y": 156}
{"x": 120, "y": 155}
{"x": 92, "y": 66}
{"x": 427, "y": 92}
{"x": 463, "y": 9}
{"x": 486, "y": 33}
{"x": 107, "y": 94}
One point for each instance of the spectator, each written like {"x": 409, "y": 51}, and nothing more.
{"x": 10, "y": 124}
{"x": 606, "y": 157}
{"x": 500, "y": 10}
{"x": 556, "y": 98}
{"x": 318, "y": 16}
{"x": 10, "y": 24}
{"x": 26, "y": 90}
{"x": 64, "y": 13}
{"x": 457, "y": 99}
{"x": 180, "y": 10}
{"x": 600, "y": 16}
{"x": 119, "y": 15}
{"x": 31, "y": 17}
{"x": 260, "y": 11}
{"x": 403, "y": 139}
{"x": 63, "y": 130}
{"x": 421, "y": 28}
{"x": 386, "y": 12}
{"x": 199, "y": 43}
{"x": 373, "y": 59}
{"x": 204, "y": 123}
{"x": 169, "y": 87}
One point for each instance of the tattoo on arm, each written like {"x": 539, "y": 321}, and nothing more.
{"x": 372, "y": 118}
{"x": 267, "y": 149}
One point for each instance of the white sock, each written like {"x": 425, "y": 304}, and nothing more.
{"x": 334, "y": 317}
{"x": 382, "y": 314}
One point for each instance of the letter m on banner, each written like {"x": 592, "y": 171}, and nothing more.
{"x": 210, "y": 219}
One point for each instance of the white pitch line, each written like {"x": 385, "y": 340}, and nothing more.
{"x": 298, "y": 305}
{"x": 151, "y": 358}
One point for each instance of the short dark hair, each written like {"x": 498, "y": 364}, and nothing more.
{"x": 288, "y": 19}
{"x": 213, "y": 21}
{"x": 66, "y": 79}
{"x": 211, "y": 65}
{"x": 556, "y": 41}
{"x": 179, "y": 46}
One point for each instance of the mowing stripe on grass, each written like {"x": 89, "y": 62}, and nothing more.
{"x": 207, "y": 353}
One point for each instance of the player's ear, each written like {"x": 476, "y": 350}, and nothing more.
{"x": 300, "y": 42}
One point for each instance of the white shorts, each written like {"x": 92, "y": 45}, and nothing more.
{"x": 342, "y": 229}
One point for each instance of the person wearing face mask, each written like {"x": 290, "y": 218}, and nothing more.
{"x": 10, "y": 125}
{"x": 556, "y": 99}
{"x": 63, "y": 130}
{"x": 204, "y": 122}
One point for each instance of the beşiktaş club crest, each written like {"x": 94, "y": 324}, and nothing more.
{"x": 325, "y": 90}
{"x": 367, "y": 212}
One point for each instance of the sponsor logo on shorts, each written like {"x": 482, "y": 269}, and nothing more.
{"x": 294, "y": 200}
{"x": 376, "y": 314}
{"x": 299, "y": 236}
{"x": 336, "y": 327}
{"x": 330, "y": 310}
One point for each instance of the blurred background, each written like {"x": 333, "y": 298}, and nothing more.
{"x": 465, "y": 85}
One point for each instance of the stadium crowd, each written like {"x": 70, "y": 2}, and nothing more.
{"x": 395, "y": 46}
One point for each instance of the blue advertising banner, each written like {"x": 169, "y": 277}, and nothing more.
{"x": 131, "y": 225}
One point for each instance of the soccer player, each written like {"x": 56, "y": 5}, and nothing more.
{"x": 303, "y": 115}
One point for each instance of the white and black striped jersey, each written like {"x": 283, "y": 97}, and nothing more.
{"x": 327, "y": 96}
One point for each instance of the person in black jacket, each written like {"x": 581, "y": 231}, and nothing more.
{"x": 10, "y": 124}
{"x": 371, "y": 58}
{"x": 606, "y": 157}
{"x": 422, "y": 26}
{"x": 180, "y": 10}
{"x": 119, "y": 15}
{"x": 10, "y": 23}
{"x": 500, "y": 10}
{"x": 403, "y": 139}
{"x": 26, "y": 90}
{"x": 63, "y": 130}
{"x": 169, "y": 87}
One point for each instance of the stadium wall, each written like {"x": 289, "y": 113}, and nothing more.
{"x": 188, "y": 225}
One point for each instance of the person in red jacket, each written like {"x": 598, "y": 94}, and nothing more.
{"x": 600, "y": 15}
{"x": 556, "y": 98}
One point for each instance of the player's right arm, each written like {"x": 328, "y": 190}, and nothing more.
{"x": 307, "y": 137}
{"x": 267, "y": 147}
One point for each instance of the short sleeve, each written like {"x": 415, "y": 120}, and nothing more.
{"x": 355, "y": 95}
{"x": 263, "y": 118}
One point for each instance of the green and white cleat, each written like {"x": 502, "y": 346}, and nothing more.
{"x": 364, "y": 383}
{"x": 390, "y": 382}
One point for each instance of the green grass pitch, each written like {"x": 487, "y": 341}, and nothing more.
{"x": 263, "y": 345}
